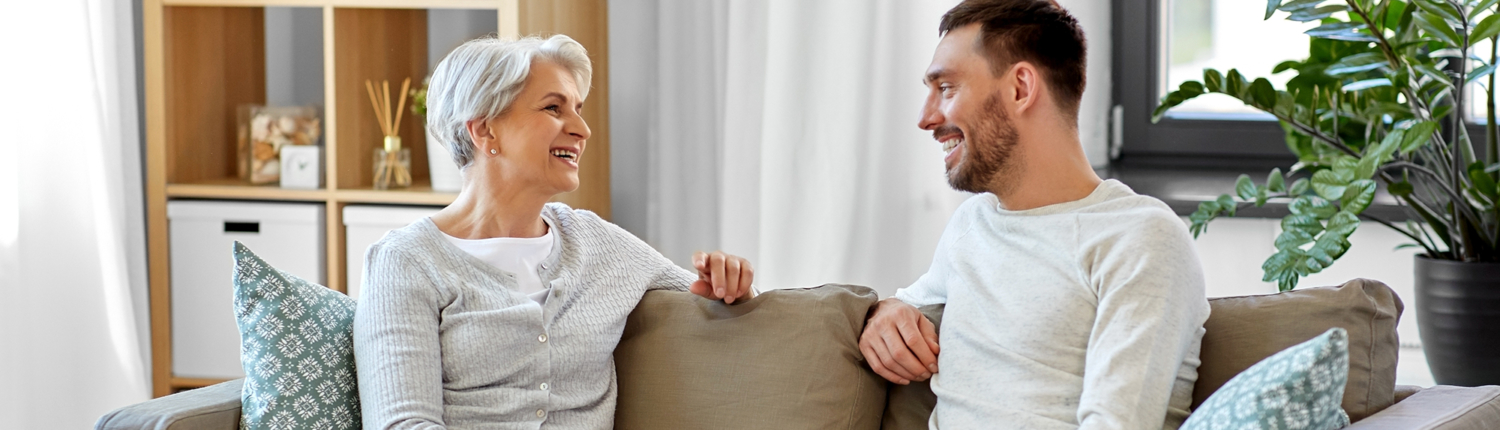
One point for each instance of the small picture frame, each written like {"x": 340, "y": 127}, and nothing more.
{"x": 302, "y": 167}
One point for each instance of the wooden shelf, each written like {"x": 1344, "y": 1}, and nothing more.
{"x": 179, "y": 384}
{"x": 236, "y": 189}
{"x": 420, "y": 193}
{"x": 205, "y": 58}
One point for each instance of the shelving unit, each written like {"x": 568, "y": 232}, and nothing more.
{"x": 203, "y": 58}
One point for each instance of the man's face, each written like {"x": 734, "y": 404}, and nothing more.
{"x": 965, "y": 114}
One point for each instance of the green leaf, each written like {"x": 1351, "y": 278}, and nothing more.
{"x": 1260, "y": 197}
{"x": 1358, "y": 196}
{"x": 1305, "y": 15}
{"x": 1432, "y": 72}
{"x": 1483, "y": 183}
{"x": 1486, "y": 4}
{"x": 1299, "y": 187}
{"x": 1440, "y": 9}
{"x": 1330, "y": 184}
{"x": 1342, "y": 223}
{"x": 1292, "y": 239}
{"x": 1304, "y": 222}
{"x": 1285, "y": 65}
{"x": 1436, "y": 26}
{"x": 1296, "y": 5}
{"x": 1443, "y": 110}
{"x": 1357, "y": 63}
{"x": 1325, "y": 250}
{"x": 1213, "y": 80}
{"x": 1263, "y": 93}
{"x": 1367, "y": 84}
{"x": 1481, "y": 71}
{"x": 1227, "y": 203}
{"x": 1417, "y": 136}
{"x": 1281, "y": 267}
{"x": 1274, "y": 182}
{"x": 1312, "y": 205}
{"x": 1485, "y": 29}
{"x": 1400, "y": 189}
{"x": 1234, "y": 84}
{"x": 1349, "y": 31}
{"x": 1271, "y": 6}
{"x": 1244, "y": 188}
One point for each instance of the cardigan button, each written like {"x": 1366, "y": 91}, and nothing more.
{"x": 544, "y": 386}
{"x": 541, "y": 413}
{"x": 542, "y": 338}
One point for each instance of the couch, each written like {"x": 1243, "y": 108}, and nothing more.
{"x": 797, "y": 365}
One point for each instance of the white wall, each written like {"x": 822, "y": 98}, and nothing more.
{"x": 1233, "y": 249}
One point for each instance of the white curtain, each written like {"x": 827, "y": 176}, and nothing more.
{"x": 71, "y": 230}
{"x": 781, "y": 130}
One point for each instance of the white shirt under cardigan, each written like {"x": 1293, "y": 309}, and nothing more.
{"x": 520, "y": 256}
{"x": 444, "y": 340}
{"x": 1080, "y": 315}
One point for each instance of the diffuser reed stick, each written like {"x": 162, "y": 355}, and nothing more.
{"x": 391, "y": 161}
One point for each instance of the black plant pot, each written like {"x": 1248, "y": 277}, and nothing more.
{"x": 1458, "y": 314}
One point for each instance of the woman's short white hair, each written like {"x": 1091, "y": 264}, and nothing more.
{"x": 481, "y": 78}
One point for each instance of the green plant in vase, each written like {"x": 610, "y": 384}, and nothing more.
{"x": 1379, "y": 101}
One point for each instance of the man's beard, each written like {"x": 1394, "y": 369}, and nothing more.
{"x": 987, "y": 151}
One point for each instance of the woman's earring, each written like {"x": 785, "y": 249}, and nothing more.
{"x": 494, "y": 151}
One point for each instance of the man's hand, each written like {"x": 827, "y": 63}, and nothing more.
{"x": 900, "y": 344}
{"x": 722, "y": 277}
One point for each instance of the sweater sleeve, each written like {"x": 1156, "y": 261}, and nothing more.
{"x": 1151, "y": 309}
{"x": 932, "y": 287}
{"x": 396, "y": 349}
{"x": 662, "y": 273}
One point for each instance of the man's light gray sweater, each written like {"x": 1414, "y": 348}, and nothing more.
{"x": 1080, "y": 315}
{"x": 444, "y": 340}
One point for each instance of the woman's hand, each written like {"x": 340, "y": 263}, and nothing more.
{"x": 722, "y": 277}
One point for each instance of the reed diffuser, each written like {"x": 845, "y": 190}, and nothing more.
{"x": 392, "y": 162}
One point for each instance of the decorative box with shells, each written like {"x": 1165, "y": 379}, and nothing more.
{"x": 264, "y": 130}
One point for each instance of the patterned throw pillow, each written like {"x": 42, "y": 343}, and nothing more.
{"x": 297, "y": 347}
{"x": 1298, "y": 388}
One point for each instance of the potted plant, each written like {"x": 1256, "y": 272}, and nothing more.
{"x": 1379, "y": 103}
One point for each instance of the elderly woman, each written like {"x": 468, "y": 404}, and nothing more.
{"x": 504, "y": 310}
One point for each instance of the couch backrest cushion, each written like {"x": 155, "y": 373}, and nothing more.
{"x": 787, "y": 359}
{"x": 297, "y": 346}
{"x": 907, "y": 407}
{"x": 1242, "y": 331}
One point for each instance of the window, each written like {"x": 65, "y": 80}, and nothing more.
{"x": 1159, "y": 44}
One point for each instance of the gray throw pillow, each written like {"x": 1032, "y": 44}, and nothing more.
{"x": 787, "y": 359}
{"x": 297, "y": 348}
{"x": 1298, "y": 388}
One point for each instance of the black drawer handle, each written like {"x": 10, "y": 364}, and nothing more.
{"x": 241, "y": 227}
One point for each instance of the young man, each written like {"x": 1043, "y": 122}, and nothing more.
{"x": 1071, "y": 302}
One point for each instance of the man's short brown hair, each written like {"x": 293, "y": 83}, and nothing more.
{"x": 1035, "y": 31}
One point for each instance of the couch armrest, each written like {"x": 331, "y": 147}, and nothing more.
{"x": 1440, "y": 408}
{"x": 215, "y": 407}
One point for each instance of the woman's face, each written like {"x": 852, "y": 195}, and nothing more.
{"x": 541, "y": 137}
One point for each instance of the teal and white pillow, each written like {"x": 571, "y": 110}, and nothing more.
{"x": 1298, "y": 388}
{"x": 297, "y": 346}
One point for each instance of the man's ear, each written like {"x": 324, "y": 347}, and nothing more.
{"x": 1027, "y": 81}
{"x": 482, "y": 136}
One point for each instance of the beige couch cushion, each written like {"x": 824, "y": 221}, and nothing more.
{"x": 788, "y": 359}
{"x": 1241, "y": 331}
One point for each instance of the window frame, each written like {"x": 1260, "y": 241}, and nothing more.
{"x": 1137, "y": 63}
